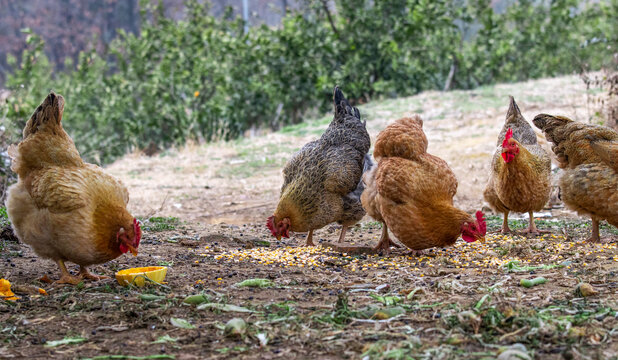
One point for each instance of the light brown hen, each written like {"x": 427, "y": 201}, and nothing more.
{"x": 520, "y": 179}
{"x": 588, "y": 154}
{"x": 64, "y": 208}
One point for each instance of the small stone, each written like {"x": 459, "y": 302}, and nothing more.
{"x": 236, "y": 327}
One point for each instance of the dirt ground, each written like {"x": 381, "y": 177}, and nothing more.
{"x": 204, "y": 207}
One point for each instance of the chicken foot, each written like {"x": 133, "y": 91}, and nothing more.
{"x": 344, "y": 229}
{"x": 505, "y": 224}
{"x": 532, "y": 229}
{"x": 85, "y": 274}
{"x": 416, "y": 253}
{"x": 595, "y": 237}
{"x": 66, "y": 277}
{"x": 310, "y": 239}
{"x": 385, "y": 243}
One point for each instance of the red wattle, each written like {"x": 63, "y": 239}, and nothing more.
{"x": 468, "y": 238}
{"x": 508, "y": 157}
{"x": 123, "y": 248}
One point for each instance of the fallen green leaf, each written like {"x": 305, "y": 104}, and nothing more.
{"x": 514, "y": 266}
{"x": 164, "y": 339}
{"x": 150, "y": 297}
{"x": 224, "y": 307}
{"x": 196, "y": 299}
{"x": 181, "y": 323}
{"x": 65, "y": 341}
{"x": 480, "y": 302}
{"x": 413, "y": 292}
{"x": 261, "y": 283}
{"x": 387, "y": 300}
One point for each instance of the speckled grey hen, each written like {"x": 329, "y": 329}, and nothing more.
{"x": 520, "y": 179}
{"x": 589, "y": 156}
{"x": 322, "y": 182}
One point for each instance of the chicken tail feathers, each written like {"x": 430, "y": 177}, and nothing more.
{"x": 549, "y": 123}
{"x": 513, "y": 109}
{"x": 338, "y": 96}
{"x": 343, "y": 107}
{"x": 47, "y": 115}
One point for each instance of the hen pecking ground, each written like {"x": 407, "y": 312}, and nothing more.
{"x": 464, "y": 302}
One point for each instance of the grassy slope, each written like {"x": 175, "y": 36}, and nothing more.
{"x": 243, "y": 176}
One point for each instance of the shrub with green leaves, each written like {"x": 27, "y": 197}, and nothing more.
{"x": 203, "y": 78}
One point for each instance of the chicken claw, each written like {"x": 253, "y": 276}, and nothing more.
{"x": 384, "y": 246}
{"x": 532, "y": 230}
{"x": 85, "y": 274}
{"x": 66, "y": 277}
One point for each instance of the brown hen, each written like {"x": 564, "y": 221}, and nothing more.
{"x": 588, "y": 154}
{"x": 411, "y": 192}
{"x": 520, "y": 179}
{"x": 64, "y": 208}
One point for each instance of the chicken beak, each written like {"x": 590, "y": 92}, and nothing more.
{"x": 480, "y": 238}
{"x": 132, "y": 250}
{"x": 278, "y": 237}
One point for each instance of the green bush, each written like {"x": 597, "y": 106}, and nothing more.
{"x": 204, "y": 79}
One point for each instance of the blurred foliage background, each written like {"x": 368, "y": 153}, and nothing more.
{"x": 204, "y": 78}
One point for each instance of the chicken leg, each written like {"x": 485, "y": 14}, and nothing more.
{"x": 505, "y": 224}
{"x": 385, "y": 243}
{"x": 532, "y": 229}
{"x": 66, "y": 277}
{"x": 310, "y": 239}
{"x": 344, "y": 229}
{"x": 85, "y": 274}
{"x": 594, "y": 238}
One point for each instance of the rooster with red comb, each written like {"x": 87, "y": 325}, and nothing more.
{"x": 520, "y": 179}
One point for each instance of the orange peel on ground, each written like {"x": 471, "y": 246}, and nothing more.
{"x": 5, "y": 290}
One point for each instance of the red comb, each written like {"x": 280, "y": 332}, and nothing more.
{"x": 509, "y": 134}
{"x": 270, "y": 224}
{"x": 138, "y": 232}
{"x": 481, "y": 220}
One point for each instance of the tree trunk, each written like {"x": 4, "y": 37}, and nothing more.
{"x": 330, "y": 18}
